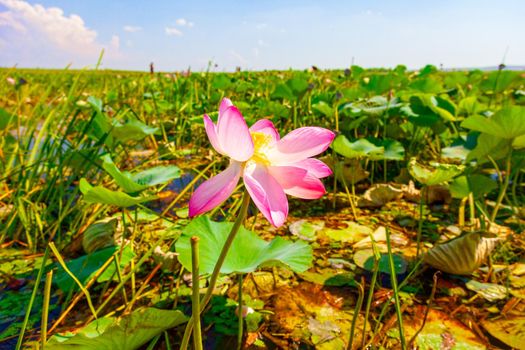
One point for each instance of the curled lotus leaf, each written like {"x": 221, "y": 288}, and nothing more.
{"x": 461, "y": 255}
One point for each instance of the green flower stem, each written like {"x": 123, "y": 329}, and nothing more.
{"x": 370, "y": 299}
{"x": 195, "y": 302}
{"x": 393, "y": 277}
{"x": 420, "y": 223}
{"x": 240, "y": 314}
{"x": 31, "y": 301}
{"x": 45, "y": 308}
{"x": 217, "y": 269}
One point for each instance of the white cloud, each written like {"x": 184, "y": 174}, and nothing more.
{"x": 36, "y": 34}
{"x": 68, "y": 33}
{"x": 132, "y": 29}
{"x": 115, "y": 42}
{"x": 261, "y": 26}
{"x": 172, "y": 31}
{"x": 183, "y": 22}
{"x": 7, "y": 20}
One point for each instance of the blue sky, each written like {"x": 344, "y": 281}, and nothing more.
{"x": 261, "y": 34}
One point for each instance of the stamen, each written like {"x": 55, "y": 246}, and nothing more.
{"x": 261, "y": 144}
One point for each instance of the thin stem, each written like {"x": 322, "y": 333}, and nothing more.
{"x": 335, "y": 160}
{"x": 393, "y": 277}
{"x": 77, "y": 281}
{"x": 45, "y": 307}
{"x": 217, "y": 269}
{"x": 386, "y": 305}
{"x": 79, "y": 295}
{"x": 240, "y": 314}
{"x": 370, "y": 298}
{"x": 472, "y": 208}
{"x": 351, "y": 197}
{"x": 33, "y": 296}
{"x": 359, "y": 303}
{"x": 195, "y": 302}
{"x": 127, "y": 277}
{"x": 336, "y": 117}
{"x": 420, "y": 223}
{"x": 503, "y": 188}
{"x": 430, "y": 299}
{"x": 461, "y": 213}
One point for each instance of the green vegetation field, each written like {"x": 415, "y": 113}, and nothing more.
{"x": 97, "y": 168}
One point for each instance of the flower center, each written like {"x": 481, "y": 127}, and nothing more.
{"x": 261, "y": 144}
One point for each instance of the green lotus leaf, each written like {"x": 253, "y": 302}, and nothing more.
{"x": 323, "y": 108}
{"x": 133, "y": 183}
{"x": 461, "y": 255}
{"x": 394, "y": 150}
{"x": 88, "y": 265}
{"x": 499, "y": 81}
{"x": 507, "y": 123}
{"x": 375, "y": 106}
{"x": 124, "y": 333}
{"x": 490, "y": 145}
{"x": 103, "y": 195}
{"x": 132, "y": 130}
{"x": 247, "y": 253}
{"x": 435, "y": 174}
{"x": 477, "y": 184}
{"x": 358, "y": 149}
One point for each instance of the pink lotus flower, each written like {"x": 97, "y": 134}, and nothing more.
{"x": 271, "y": 167}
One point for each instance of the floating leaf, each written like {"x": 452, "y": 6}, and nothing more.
{"x": 125, "y": 333}
{"x": 351, "y": 233}
{"x": 305, "y": 229}
{"x": 490, "y": 291}
{"x": 510, "y": 330}
{"x": 379, "y": 237}
{"x": 330, "y": 277}
{"x": 247, "y": 253}
{"x": 435, "y": 174}
{"x": 103, "y": 195}
{"x": 364, "y": 258}
{"x": 441, "y": 331}
{"x": 461, "y": 255}
{"x": 133, "y": 183}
